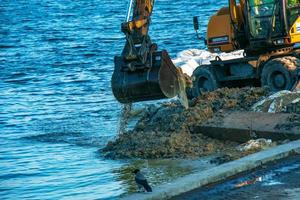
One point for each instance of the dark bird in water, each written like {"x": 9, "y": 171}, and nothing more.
{"x": 141, "y": 181}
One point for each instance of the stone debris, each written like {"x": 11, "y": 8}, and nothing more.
{"x": 256, "y": 145}
{"x": 282, "y": 101}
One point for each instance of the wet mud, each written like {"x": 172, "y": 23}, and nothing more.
{"x": 164, "y": 131}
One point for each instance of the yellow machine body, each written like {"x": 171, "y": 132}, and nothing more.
{"x": 295, "y": 31}
{"x": 226, "y": 28}
{"x": 220, "y": 32}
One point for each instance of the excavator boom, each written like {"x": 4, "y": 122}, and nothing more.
{"x": 141, "y": 72}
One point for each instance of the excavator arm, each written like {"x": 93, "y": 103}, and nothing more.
{"x": 141, "y": 72}
{"x": 138, "y": 43}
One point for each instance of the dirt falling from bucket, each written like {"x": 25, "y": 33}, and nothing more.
{"x": 184, "y": 82}
{"x": 124, "y": 118}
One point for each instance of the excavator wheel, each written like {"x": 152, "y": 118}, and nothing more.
{"x": 204, "y": 80}
{"x": 281, "y": 73}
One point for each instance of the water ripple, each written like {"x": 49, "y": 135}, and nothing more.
{"x": 56, "y": 104}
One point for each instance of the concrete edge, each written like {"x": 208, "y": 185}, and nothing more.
{"x": 218, "y": 173}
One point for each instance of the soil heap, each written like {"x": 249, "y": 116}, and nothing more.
{"x": 164, "y": 131}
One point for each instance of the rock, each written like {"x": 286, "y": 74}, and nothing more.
{"x": 254, "y": 145}
{"x": 282, "y": 101}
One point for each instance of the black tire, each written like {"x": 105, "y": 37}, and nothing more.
{"x": 204, "y": 80}
{"x": 280, "y": 73}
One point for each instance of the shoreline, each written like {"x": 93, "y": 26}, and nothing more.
{"x": 218, "y": 173}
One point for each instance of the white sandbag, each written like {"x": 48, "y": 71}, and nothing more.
{"x": 190, "y": 59}
{"x": 187, "y": 69}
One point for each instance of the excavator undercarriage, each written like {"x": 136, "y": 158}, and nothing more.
{"x": 276, "y": 70}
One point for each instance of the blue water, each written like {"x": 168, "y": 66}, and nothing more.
{"x": 56, "y": 104}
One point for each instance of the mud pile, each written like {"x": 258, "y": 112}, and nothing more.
{"x": 164, "y": 131}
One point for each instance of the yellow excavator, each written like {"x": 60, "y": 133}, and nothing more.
{"x": 267, "y": 31}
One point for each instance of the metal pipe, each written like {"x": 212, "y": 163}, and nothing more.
{"x": 129, "y": 8}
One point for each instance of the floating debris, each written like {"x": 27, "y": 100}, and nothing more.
{"x": 248, "y": 182}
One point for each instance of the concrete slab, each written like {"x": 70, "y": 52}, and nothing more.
{"x": 219, "y": 173}
{"x": 243, "y": 126}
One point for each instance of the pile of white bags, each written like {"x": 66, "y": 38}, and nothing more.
{"x": 188, "y": 60}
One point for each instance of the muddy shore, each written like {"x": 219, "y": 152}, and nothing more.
{"x": 165, "y": 131}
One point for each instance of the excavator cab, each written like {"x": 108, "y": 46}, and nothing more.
{"x": 141, "y": 72}
{"x": 264, "y": 18}
{"x": 293, "y": 11}
{"x": 270, "y": 23}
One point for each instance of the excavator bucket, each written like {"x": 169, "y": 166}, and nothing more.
{"x": 157, "y": 81}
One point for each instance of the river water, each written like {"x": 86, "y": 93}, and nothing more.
{"x": 56, "y": 104}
